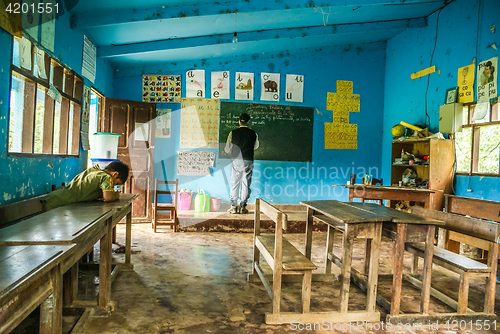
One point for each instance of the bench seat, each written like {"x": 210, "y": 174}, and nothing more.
{"x": 293, "y": 259}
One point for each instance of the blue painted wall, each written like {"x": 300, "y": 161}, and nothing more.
{"x": 463, "y": 34}
{"x": 24, "y": 177}
{"x": 292, "y": 182}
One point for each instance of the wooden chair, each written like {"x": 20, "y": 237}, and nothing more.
{"x": 164, "y": 207}
{"x": 283, "y": 258}
{"x": 374, "y": 182}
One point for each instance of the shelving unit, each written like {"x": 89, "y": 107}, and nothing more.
{"x": 439, "y": 171}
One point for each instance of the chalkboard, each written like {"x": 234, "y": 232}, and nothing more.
{"x": 285, "y": 132}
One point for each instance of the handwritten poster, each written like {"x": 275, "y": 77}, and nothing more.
{"x": 195, "y": 162}
{"x": 465, "y": 83}
{"x": 25, "y": 53}
{"x": 195, "y": 83}
{"x": 244, "y": 86}
{"x": 294, "y": 88}
{"x": 340, "y": 134}
{"x": 89, "y": 59}
{"x": 163, "y": 123}
{"x": 161, "y": 88}
{"x": 220, "y": 85}
{"x": 199, "y": 123}
{"x": 270, "y": 86}
{"x": 40, "y": 63}
{"x": 487, "y": 79}
{"x": 10, "y": 22}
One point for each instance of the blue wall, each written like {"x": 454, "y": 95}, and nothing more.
{"x": 292, "y": 182}
{"x": 24, "y": 177}
{"x": 460, "y": 27}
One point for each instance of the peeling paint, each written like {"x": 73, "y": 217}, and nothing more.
{"x": 7, "y": 197}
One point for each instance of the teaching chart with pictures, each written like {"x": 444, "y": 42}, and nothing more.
{"x": 220, "y": 85}
{"x": 270, "y": 86}
{"x": 340, "y": 134}
{"x": 465, "y": 84}
{"x": 244, "y": 84}
{"x": 294, "y": 88}
{"x": 199, "y": 123}
{"x": 487, "y": 79}
{"x": 195, "y": 84}
{"x": 161, "y": 88}
{"x": 163, "y": 123}
{"x": 195, "y": 162}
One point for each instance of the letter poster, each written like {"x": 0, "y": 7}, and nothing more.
{"x": 161, "y": 88}
{"x": 487, "y": 79}
{"x": 340, "y": 134}
{"x": 465, "y": 84}
{"x": 270, "y": 89}
{"x": 244, "y": 86}
{"x": 220, "y": 85}
{"x": 294, "y": 88}
{"x": 195, "y": 162}
{"x": 199, "y": 123}
{"x": 195, "y": 84}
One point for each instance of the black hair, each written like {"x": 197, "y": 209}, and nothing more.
{"x": 244, "y": 118}
{"x": 120, "y": 167}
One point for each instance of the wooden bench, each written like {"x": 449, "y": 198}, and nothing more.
{"x": 488, "y": 232}
{"x": 283, "y": 258}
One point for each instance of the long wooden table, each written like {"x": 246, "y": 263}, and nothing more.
{"x": 83, "y": 224}
{"x": 390, "y": 193}
{"x": 365, "y": 220}
{"x": 30, "y": 276}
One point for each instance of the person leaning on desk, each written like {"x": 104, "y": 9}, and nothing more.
{"x": 91, "y": 184}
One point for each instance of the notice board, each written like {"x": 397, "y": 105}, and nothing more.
{"x": 285, "y": 132}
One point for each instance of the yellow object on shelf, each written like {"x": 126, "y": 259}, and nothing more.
{"x": 413, "y": 127}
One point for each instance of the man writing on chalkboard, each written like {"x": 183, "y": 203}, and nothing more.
{"x": 241, "y": 144}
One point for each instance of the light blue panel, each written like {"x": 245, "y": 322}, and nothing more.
{"x": 463, "y": 34}
{"x": 24, "y": 177}
{"x": 482, "y": 187}
{"x": 292, "y": 182}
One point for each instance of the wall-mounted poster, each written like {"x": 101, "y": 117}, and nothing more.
{"x": 161, "y": 88}
{"x": 199, "y": 123}
{"x": 220, "y": 85}
{"x": 195, "y": 83}
{"x": 163, "y": 121}
{"x": 270, "y": 86}
{"x": 294, "y": 88}
{"x": 465, "y": 83}
{"x": 243, "y": 86}
{"x": 84, "y": 128}
{"x": 194, "y": 162}
{"x": 89, "y": 59}
{"x": 487, "y": 79}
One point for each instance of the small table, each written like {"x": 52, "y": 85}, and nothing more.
{"x": 390, "y": 193}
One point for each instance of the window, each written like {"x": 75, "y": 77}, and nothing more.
{"x": 478, "y": 145}
{"x": 45, "y": 104}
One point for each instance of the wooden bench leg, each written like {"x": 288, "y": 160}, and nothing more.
{"x": 346, "y": 268}
{"x": 368, "y": 250}
{"x": 306, "y": 291}
{"x": 397, "y": 276}
{"x": 414, "y": 267}
{"x": 463, "y": 293}
{"x": 489, "y": 298}
{"x": 329, "y": 248}
{"x": 276, "y": 291}
{"x": 70, "y": 283}
{"x": 51, "y": 308}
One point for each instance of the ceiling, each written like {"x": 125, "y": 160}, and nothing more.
{"x": 140, "y": 36}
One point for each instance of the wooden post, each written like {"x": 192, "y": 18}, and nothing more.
{"x": 256, "y": 233}
{"x": 371, "y": 289}
{"x": 346, "y": 267}
{"x": 397, "y": 277}
{"x": 278, "y": 264}
{"x": 489, "y": 298}
{"x": 128, "y": 238}
{"x": 309, "y": 228}
{"x": 51, "y": 308}
{"x": 426, "y": 273}
{"x": 329, "y": 249}
{"x": 105, "y": 267}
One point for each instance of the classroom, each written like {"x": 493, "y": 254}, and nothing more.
{"x": 265, "y": 141}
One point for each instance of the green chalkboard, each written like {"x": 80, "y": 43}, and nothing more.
{"x": 285, "y": 132}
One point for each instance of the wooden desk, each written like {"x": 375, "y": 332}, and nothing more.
{"x": 30, "y": 276}
{"x": 390, "y": 193}
{"x": 83, "y": 224}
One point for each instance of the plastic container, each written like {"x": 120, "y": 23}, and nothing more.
{"x": 103, "y": 163}
{"x": 185, "y": 201}
{"x": 214, "y": 204}
{"x": 202, "y": 201}
{"x": 105, "y": 145}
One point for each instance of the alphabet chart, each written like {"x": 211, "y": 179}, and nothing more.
{"x": 220, "y": 85}
{"x": 195, "y": 162}
{"x": 243, "y": 86}
{"x": 270, "y": 86}
{"x": 294, "y": 88}
{"x": 340, "y": 134}
{"x": 199, "y": 123}
{"x": 195, "y": 83}
{"x": 487, "y": 79}
{"x": 161, "y": 88}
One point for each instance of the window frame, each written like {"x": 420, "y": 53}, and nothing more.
{"x": 56, "y": 74}
{"x": 494, "y": 116}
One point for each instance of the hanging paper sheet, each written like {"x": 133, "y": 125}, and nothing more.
{"x": 25, "y": 53}
{"x": 294, "y": 88}
{"x": 244, "y": 86}
{"x": 340, "y": 134}
{"x": 487, "y": 83}
{"x": 84, "y": 131}
{"x": 48, "y": 28}
{"x": 199, "y": 123}
{"x": 163, "y": 121}
{"x": 220, "y": 85}
{"x": 195, "y": 83}
{"x": 270, "y": 86}
{"x": 161, "y": 88}
{"x": 89, "y": 59}
{"x": 195, "y": 162}
{"x": 465, "y": 84}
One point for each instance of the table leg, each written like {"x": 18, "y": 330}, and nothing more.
{"x": 426, "y": 275}
{"x": 128, "y": 239}
{"x": 371, "y": 293}
{"x": 51, "y": 308}
{"x": 397, "y": 278}
{"x": 105, "y": 267}
{"x": 309, "y": 228}
{"x": 329, "y": 248}
{"x": 351, "y": 194}
{"x": 368, "y": 248}
{"x": 346, "y": 267}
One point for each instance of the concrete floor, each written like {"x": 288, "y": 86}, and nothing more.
{"x": 194, "y": 282}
